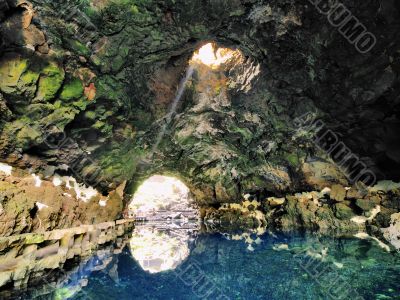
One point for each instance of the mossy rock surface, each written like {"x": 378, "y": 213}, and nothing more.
{"x": 50, "y": 81}
{"x": 27, "y": 136}
{"x": 60, "y": 117}
{"x": 78, "y": 47}
{"x": 11, "y": 70}
{"x": 72, "y": 90}
{"x": 34, "y": 239}
{"x": 343, "y": 212}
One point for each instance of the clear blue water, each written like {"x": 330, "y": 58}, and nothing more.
{"x": 275, "y": 266}
{"x": 181, "y": 264}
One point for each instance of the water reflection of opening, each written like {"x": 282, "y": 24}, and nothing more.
{"x": 160, "y": 248}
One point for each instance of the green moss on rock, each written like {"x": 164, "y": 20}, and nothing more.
{"x": 51, "y": 79}
{"x": 11, "y": 70}
{"x": 119, "y": 161}
{"x": 72, "y": 90}
{"x": 34, "y": 239}
{"x": 26, "y": 136}
{"x": 29, "y": 77}
{"x": 245, "y": 133}
{"x": 81, "y": 104}
{"x": 103, "y": 127}
{"x": 343, "y": 212}
{"x": 293, "y": 159}
{"x": 91, "y": 115}
{"x": 27, "y": 83}
{"x": 60, "y": 117}
{"x": 78, "y": 47}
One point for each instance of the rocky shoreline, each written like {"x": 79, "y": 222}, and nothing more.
{"x": 336, "y": 209}
{"x": 31, "y": 204}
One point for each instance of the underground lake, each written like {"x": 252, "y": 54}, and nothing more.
{"x": 199, "y": 149}
{"x": 183, "y": 261}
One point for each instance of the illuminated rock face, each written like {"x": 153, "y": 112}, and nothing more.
{"x": 157, "y": 251}
{"x": 162, "y": 198}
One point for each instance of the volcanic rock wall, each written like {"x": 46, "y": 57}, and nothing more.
{"x": 85, "y": 86}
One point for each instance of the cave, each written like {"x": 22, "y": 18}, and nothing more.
{"x": 161, "y": 138}
{"x": 161, "y": 198}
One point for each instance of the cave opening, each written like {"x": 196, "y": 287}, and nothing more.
{"x": 162, "y": 198}
{"x": 214, "y": 56}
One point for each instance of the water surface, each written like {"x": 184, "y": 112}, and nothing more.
{"x": 167, "y": 261}
{"x": 245, "y": 266}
